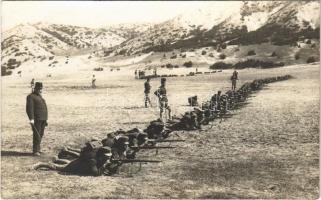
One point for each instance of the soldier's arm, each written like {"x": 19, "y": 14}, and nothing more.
{"x": 30, "y": 108}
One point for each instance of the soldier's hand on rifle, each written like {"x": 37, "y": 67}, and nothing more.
{"x": 32, "y": 122}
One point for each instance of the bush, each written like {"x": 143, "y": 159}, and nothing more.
{"x": 203, "y": 52}
{"x": 188, "y": 64}
{"x": 297, "y": 56}
{"x": 5, "y": 72}
{"x": 98, "y": 69}
{"x": 223, "y": 46}
{"x": 51, "y": 57}
{"x": 173, "y": 57}
{"x": 273, "y": 54}
{"x": 222, "y": 56}
{"x": 176, "y": 66}
{"x": 308, "y": 41}
{"x": 311, "y": 60}
{"x": 169, "y": 66}
{"x": 221, "y": 65}
{"x": 211, "y": 55}
{"x": 251, "y": 53}
{"x": 313, "y": 45}
{"x": 13, "y": 63}
{"x": 251, "y": 63}
{"x": 184, "y": 56}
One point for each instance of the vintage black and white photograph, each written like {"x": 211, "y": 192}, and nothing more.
{"x": 160, "y": 99}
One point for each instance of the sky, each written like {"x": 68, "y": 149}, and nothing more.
{"x": 94, "y": 14}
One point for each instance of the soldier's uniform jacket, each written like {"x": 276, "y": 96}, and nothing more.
{"x": 161, "y": 93}
{"x": 86, "y": 164}
{"x": 147, "y": 87}
{"x": 36, "y": 107}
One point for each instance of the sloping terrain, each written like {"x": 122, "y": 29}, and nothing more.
{"x": 41, "y": 41}
{"x": 268, "y": 149}
{"x": 281, "y": 23}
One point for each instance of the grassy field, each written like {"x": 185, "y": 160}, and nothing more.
{"x": 268, "y": 149}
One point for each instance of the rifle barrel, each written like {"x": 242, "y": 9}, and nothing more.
{"x": 153, "y": 147}
{"x": 136, "y": 160}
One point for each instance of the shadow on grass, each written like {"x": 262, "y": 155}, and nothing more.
{"x": 15, "y": 153}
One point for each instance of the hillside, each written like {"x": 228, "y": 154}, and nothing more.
{"x": 42, "y": 41}
{"x": 280, "y": 23}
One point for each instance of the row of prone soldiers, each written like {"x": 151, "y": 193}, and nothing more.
{"x": 104, "y": 157}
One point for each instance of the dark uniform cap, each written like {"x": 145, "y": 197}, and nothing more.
{"x": 123, "y": 139}
{"x": 38, "y": 85}
{"x": 163, "y": 80}
{"x": 111, "y": 135}
{"x": 106, "y": 150}
{"x": 94, "y": 144}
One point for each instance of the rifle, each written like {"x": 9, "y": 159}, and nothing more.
{"x": 135, "y": 161}
{"x": 163, "y": 140}
{"x": 152, "y": 147}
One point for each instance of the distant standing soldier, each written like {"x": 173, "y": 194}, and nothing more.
{"x": 32, "y": 83}
{"x": 162, "y": 97}
{"x": 155, "y": 72}
{"x": 38, "y": 115}
{"x": 93, "y": 82}
{"x": 136, "y": 73}
{"x": 234, "y": 77}
{"x": 147, "y": 91}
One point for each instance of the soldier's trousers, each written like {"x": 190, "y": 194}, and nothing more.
{"x": 38, "y": 130}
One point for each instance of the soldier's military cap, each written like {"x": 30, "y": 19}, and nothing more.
{"x": 38, "y": 85}
{"x": 123, "y": 139}
{"x": 106, "y": 151}
{"x": 94, "y": 144}
{"x": 110, "y": 135}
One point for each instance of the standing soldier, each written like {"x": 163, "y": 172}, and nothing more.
{"x": 234, "y": 77}
{"x": 162, "y": 97}
{"x": 38, "y": 115}
{"x": 32, "y": 83}
{"x": 136, "y": 73}
{"x": 93, "y": 82}
{"x": 147, "y": 91}
{"x": 155, "y": 72}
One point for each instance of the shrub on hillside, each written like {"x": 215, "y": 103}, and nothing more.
{"x": 188, "y": 64}
{"x": 211, "y": 55}
{"x": 222, "y": 56}
{"x": 169, "y": 66}
{"x": 13, "y": 63}
{"x": 5, "y": 72}
{"x": 313, "y": 45}
{"x": 297, "y": 56}
{"x": 221, "y": 65}
{"x": 308, "y": 41}
{"x": 173, "y": 57}
{"x": 184, "y": 56}
{"x": 223, "y": 46}
{"x": 251, "y": 63}
{"x": 98, "y": 69}
{"x": 311, "y": 59}
{"x": 203, "y": 52}
{"x": 251, "y": 53}
{"x": 273, "y": 54}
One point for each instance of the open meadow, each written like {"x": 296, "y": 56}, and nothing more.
{"x": 268, "y": 149}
